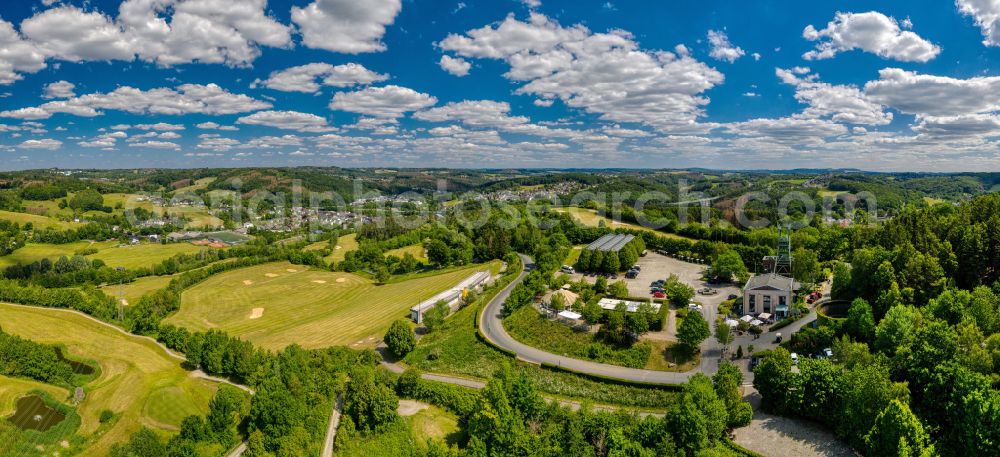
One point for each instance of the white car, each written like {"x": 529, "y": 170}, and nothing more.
{"x": 567, "y": 269}
{"x": 795, "y": 359}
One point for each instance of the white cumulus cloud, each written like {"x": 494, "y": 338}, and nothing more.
{"x": 455, "y": 65}
{"x": 59, "y": 89}
{"x": 388, "y": 101}
{"x": 287, "y": 120}
{"x": 47, "y": 143}
{"x": 987, "y": 16}
{"x": 722, "y": 49}
{"x": 872, "y": 32}
{"x": 303, "y": 78}
{"x": 347, "y": 26}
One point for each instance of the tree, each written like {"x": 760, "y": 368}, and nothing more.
{"x": 724, "y": 335}
{"x": 593, "y": 313}
{"x": 860, "y": 322}
{"x": 225, "y": 413}
{"x": 896, "y": 329}
{"x": 583, "y": 262}
{"x": 680, "y": 294}
{"x": 729, "y": 265}
{"x": 693, "y": 331}
{"x": 381, "y": 274}
{"x": 727, "y": 382}
{"x": 600, "y": 284}
{"x": 370, "y": 405}
{"x": 400, "y": 338}
{"x": 435, "y": 316}
{"x": 618, "y": 289}
{"x": 438, "y": 252}
{"x": 806, "y": 268}
{"x": 772, "y": 378}
{"x": 898, "y": 432}
{"x": 611, "y": 263}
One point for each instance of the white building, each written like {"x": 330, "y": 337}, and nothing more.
{"x": 453, "y": 297}
{"x": 769, "y": 293}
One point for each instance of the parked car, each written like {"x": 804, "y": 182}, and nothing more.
{"x": 828, "y": 352}
{"x": 631, "y": 274}
{"x": 636, "y": 268}
{"x": 733, "y": 297}
{"x": 795, "y": 359}
{"x": 568, "y": 269}
{"x": 754, "y": 361}
{"x": 659, "y": 294}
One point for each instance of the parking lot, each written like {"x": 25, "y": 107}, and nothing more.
{"x": 657, "y": 266}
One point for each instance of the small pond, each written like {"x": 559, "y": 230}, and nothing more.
{"x": 78, "y": 367}
{"x": 33, "y": 414}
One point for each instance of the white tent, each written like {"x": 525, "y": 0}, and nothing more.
{"x": 747, "y": 318}
{"x": 732, "y": 322}
{"x": 756, "y": 323}
{"x": 764, "y": 316}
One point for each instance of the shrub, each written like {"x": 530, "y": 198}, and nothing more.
{"x": 106, "y": 415}
{"x": 400, "y": 338}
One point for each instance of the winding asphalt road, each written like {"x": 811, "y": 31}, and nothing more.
{"x": 491, "y": 326}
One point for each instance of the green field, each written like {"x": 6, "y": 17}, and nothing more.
{"x": 345, "y": 244}
{"x": 590, "y": 218}
{"x": 33, "y": 252}
{"x": 416, "y": 250}
{"x": 134, "y": 290}
{"x": 573, "y": 255}
{"x": 296, "y": 304}
{"x": 197, "y": 185}
{"x": 138, "y": 380}
{"x": 37, "y": 221}
{"x": 143, "y": 255}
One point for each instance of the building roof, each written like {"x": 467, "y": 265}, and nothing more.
{"x": 569, "y": 297}
{"x": 570, "y": 315}
{"x": 612, "y": 242}
{"x": 771, "y": 281}
{"x": 630, "y": 306}
{"x": 454, "y": 293}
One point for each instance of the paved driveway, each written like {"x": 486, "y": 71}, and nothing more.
{"x": 777, "y": 436}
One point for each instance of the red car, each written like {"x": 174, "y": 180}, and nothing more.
{"x": 659, "y": 295}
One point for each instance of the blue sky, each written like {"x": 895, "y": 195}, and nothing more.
{"x": 503, "y": 83}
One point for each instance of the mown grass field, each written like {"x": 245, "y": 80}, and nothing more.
{"x": 416, "y": 250}
{"x": 33, "y": 252}
{"x": 138, "y": 381}
{"x": 314, "y": 308}
{"x": 590, "y": 218}
{"x": 37, "y": 221}
{"x": 346, "y": 244}
{"x": 142, "y": 255}
{"x": 134, "y": 290}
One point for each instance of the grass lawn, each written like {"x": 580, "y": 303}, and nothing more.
{"x": 142, "y": 255}
{"x": 314, "y": 308}
{"x": 345, "y": 244}
{"x": 529, "y": 327}
{"x": 36, "y": 220}
{"x": 134, "y": 290}
{"x": 416, "y": 250}
{"x": 33, "y": 252}
{"x": 590, "y": 218}
{"x": 460, "y": 352}
{"x": 573, "y": 256}
{"x": 138, "y": 381}
{"x": 434, "y": 423}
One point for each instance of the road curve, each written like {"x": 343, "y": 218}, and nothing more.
{"x": 491, "y": 327}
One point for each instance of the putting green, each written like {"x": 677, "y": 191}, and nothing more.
{"x": 314, "y": 308}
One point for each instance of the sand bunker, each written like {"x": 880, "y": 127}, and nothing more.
{"x": 270, "y": 275}
{"x": 247, "y": 282}
{"x": 319, "y": 281}
{"x": 341, "y": 279}
{"x": 337, "y": 247}
{"x": 291, "y": 270}
{"x": 124, "y": 302}
{"x": 256, "y": 313}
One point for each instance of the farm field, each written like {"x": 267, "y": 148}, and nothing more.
{"x": 197, "y": 185}
{"x": 416, "y": 250}
{"x": 139, "y": 381}
{"x": 142, "y": 255}
{"x": 33, "y": 252}
{"x": 37, "y": 221}
{"x": 590, "y": 218}
{"x": 277, "y": 304}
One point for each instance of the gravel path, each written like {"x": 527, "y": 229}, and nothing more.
{"x": 776, "y": 436}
